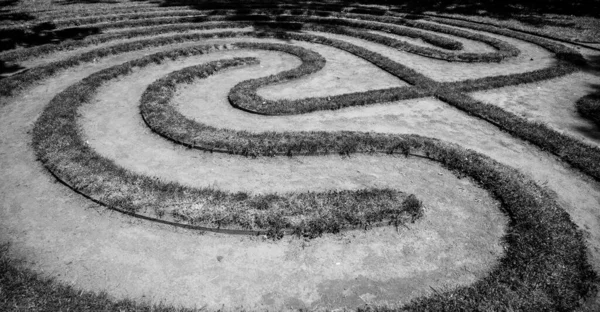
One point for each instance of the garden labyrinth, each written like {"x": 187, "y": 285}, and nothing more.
{"x": 302, "y": 157}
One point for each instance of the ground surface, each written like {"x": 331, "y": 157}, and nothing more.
{"x": 457, "y": 242}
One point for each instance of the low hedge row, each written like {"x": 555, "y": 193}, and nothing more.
{"x": 20, "y": 55}
{"x": 523, "y": 28}
{"x": 61, "y": 149}
{"x": 262, "y": 15}
{"x": 111, "y": 18}
{"x": 559, "y": 69}
{"x": 244, "y": 94}
{"x": 562, "y": 52}
{"x": 544, "y": 267}
{"x": 84, "y": 19}
{"x": 165, "y": 120}
{"x": 408, "y": 47}
{"x": 10, "y": 86}
{"x": 503, "y": 47}
{"x": 545, "y": 264}
{"x": 578, "y": 154}
{"x": 505, "y": 50}
{"x": 14, "y": 84}
{"x": 196, "y": 18}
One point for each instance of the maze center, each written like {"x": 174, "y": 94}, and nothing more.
{"x": 313, "y": 141}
